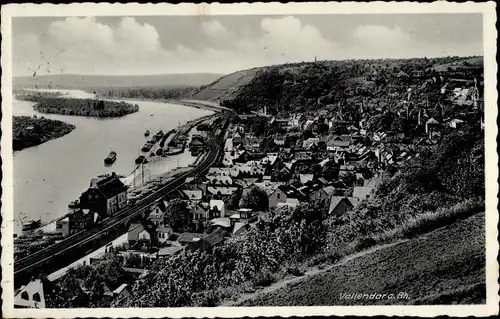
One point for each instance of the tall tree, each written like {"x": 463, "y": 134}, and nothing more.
{"x": 178, "y": 216}
{"x": 254, "y": 198}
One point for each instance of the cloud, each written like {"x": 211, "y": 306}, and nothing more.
{"x": 85, "y": 45}
{"x": 288, "y": 40}
{"x": 89, "y": 46}
{"x": 213, "y": 28}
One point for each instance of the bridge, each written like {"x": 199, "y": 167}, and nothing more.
{"x": 72, "y": 248}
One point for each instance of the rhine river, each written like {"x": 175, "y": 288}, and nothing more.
{"x": 48, "y": 176}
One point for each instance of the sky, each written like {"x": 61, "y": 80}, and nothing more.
{"x": 223, "y": 44}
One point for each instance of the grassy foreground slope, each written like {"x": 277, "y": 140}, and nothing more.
{"x": 446, "y": 266}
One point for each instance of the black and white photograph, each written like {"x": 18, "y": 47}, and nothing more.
{"x": 241, "y": 158}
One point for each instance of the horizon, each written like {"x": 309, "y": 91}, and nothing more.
{"x": 154, "y": 45}
{"x": 225, "y": 74}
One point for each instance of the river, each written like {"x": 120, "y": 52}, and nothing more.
{"x": 48, "y": 176}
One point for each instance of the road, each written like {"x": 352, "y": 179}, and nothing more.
{"x": 72, "y": 246}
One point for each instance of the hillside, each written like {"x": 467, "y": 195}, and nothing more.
{"x": 74, "y": 81}
{"x": 446, "y": 266}
{"x": 226, "y": 87}
{"x": 311, "y": 86}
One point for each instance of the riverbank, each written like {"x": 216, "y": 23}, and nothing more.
{"x": 31, "y": 131}
{"x": 204, "y": 105}
{"x": 80, "y": 107}
{"x": 65, "y": 166}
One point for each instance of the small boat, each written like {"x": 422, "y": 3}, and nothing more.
{"x": 74, "y": 204}
{"x": 141, "y": 159}
{"x": 147, "y": 133}
{"x": 146, "y": 147}
{"x": 31, "y": 224}
{"x": 111, "y": 158}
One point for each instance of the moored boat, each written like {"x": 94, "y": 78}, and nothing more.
{"x": 111, "y": 158}
{"x": 147, "y": 133}
{"x": 141, "y": 159}
{"x": 147, "y": 147}
{"x": 31, "y": 224}
{"x": 74, "y": 204}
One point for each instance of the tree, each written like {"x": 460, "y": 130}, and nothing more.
{"x": 330, "y": 170}
{"x": 178, "y": 216}
{"x": 254, "y": 198}
{"x": 235, "y": 198}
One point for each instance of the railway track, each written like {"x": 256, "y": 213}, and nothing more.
{"x": 75, "y": 241}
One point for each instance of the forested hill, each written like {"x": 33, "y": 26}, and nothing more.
{"x": 75, "y": 81}
{"x": 310, "y": 86}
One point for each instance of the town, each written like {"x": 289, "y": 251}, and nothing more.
{"x": 272, "y": 162}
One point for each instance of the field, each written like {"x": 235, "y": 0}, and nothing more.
{"x": 446, "y": 266}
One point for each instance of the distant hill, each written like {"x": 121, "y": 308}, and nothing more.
{"x": 310, "y": 86}
{"x": 74, "y": 81}
{"x": 226, "y": 87}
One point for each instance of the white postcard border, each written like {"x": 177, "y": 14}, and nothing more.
{"x": 91, "y": 9}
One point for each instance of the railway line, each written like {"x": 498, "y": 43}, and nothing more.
{"x": 74, "y": 245}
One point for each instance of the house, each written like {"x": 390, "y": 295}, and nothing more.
{"x": 210, "y": 240}
{"x": 170, "y": 250}
{"x": 379, "y": 136}
{"x": 62, "y": 226}
{"x": 193, "y": 193}
{"x": 158, "y": 212}
{"x": 339, "y": 205}
{"x": 304, "y": 178}
{"x": 279, "y": 140}
{"x": 198, "y": 212}
{"x": 80, "y": 219}
{"x": 138, "y": 233}
{"x": 245, "y": 182}
{"x": 163, "y": 233}
{"x": 292, "y": 202}
{"x": 186, "y": 239}
{"x": 312, "y": 141}
{"x": 237, "y": 138}
{"x": 220, "y": 192}
{"x": 242, "y": 215}
{"x": 217, "y": 208}
{"x": 197, "y": 144}
{"x": 282, "y": 194}
{"x": 122, "y": 291}
{"x": 455, "y": 123}
{"x": 340, "y": 142}
{"x": 220, "y": 180}
{"x": 323, "y": 193}
{"x": 363, "y": 192}
{"x": 30, "y": 296}
{"x": 105, "y": 196}
{"x": 228, "y": 145}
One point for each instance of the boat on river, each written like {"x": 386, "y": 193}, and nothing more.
{"x": 31, "y": 224}
{"x": 111, "y": 158}
{"x": 74, "y": 204}
{"x": 147, "y": 133}
{"x": 141, "y": 159}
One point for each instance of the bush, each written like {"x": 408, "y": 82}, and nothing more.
{"x": 295, "y": 271}
{"x": 264, "y": 279}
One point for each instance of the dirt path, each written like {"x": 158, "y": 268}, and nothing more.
{"x": 311, "y": 272}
